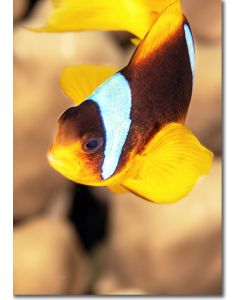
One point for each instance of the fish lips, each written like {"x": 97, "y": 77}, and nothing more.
{"x": 63, "y": 165}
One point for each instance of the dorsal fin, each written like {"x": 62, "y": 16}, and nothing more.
{"x": 78, "y": 82}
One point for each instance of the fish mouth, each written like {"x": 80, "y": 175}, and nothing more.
{"x": 62, "y": 165}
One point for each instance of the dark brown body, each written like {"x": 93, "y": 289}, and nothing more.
{"x": 161, "y": 86}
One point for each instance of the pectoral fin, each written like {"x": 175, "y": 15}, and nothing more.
{"x": 78, "y": 82}
{"x": 170, "y": 165}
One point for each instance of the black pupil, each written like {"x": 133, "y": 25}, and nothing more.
{"x": 92, "y": 145}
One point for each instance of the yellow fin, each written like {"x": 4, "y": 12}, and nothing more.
{"x": 78, "y": 82}
{"x": 170, "y": 165}
{"x": 135, "y": 41}
{"x": 157, "y": 5}
{"x": 170, "y": 19}
{"x": 117, "y": 188}
{"x": 76, "y": 15}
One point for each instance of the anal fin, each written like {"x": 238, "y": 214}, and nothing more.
{"x": 118, "y": 189}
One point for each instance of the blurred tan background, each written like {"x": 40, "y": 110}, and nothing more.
{"x": 70, "y": 239}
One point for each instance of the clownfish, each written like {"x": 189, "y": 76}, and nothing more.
{"x": 127, "y": 130}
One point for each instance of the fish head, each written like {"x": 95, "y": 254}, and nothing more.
{"x": 77, "y": 149}
{"x": 87, "y": 148}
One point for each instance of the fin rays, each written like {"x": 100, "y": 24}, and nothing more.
{"x": 171, "y": 165}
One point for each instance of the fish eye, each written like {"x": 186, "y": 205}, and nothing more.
{"x": 92, "y": 144}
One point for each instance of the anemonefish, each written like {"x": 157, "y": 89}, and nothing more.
{"x": 127, "y": 131}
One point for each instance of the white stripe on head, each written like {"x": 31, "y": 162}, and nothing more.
{"x": 190, "y": 46}
{"x": 114, "y": 100}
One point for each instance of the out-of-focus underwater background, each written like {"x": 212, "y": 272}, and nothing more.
{"x": 73, "y": 239}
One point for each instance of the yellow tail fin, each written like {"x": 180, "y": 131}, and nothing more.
{"x": 135, "y": 16}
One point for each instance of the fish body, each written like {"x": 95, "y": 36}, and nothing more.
{"x": 161, "y": 87}
{"x": 128, "y": 131}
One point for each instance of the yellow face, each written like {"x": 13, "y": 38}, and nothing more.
{"x": 71, "y": 162}
{"x": 77, "y": 165}
{"x": 78, "y": 148}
